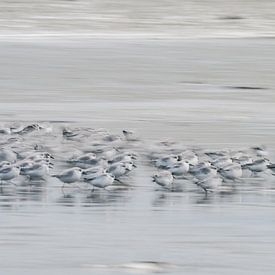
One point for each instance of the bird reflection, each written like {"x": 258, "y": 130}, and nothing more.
{"x": 99, "y": 197}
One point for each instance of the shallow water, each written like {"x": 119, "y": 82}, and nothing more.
{"x": 188, "y": 18}
{"x": 182, "y": 90}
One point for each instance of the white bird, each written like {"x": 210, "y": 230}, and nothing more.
{"x": 8, "y": 173}
{"x": 203, "y": 173}
{"x": 179, "y": 169}
{"x": 221, "y": 162}
{"x": 101, "y": 181}
{"x": 118, "y": 170}
{"x": 209, "y": 184}
{"x": 87, "y": 159}
{"x": 260, "y": 151}
{"x": 256, "y": 166}
{"x": 231, "y": 171}
{"x": 166, "y": 162}
{"x": 123, "y": 157}
{"x": 37, "y": 171}
{"x": 70, "y": 175}
{"x": 189, "y": 157}
{"x": 164, "y": 179}
{"x": 93, "y": 172}
{"x": 243, "y": 160}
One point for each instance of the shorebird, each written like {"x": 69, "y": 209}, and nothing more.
{"x": 166, "y": 162}
{"x": 101, "y": 181}
{"x": 260, "y": 151}
{"x": 257, "y": 166}
{"x": 123, "y": 157}
{"x": 189, "y": 157}
{"x": 70, "y": 175}
{"x": 118, "y": 170}
{"x": 164, "y": 179}
{"x": 203, "y": 172}
{"x": 243, "y": 160}
{"x": 37, "y": 171}
{"x": 179, "y": 169}
{"x": 221, "y": 162}
{"x": 231, "y": 171}
{"x": 209, "y": 184}
{"x": 8, "y": 173}
{"x": 88, "y": 160}
{"x": 93, "y": 172}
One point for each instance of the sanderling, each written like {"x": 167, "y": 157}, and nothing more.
{"x": 216, "y": 154}
{"x": 164, "y": 179}
{"x": 189, "y": 157}
{"x": 36, "y": 171}
{"x": 221, "y": 162}
{"x": 179, "y": 169}
{"x": 70, "y": 175}
{"x": 209, "y": 184}
{"x": 118, "y": 170}
{"x": 203, "y": 172}
{"x": 231, "y": 171}
{"x": 101, "y": 181}
{"x": 8, "y": 173}
{"x": 93, "y": 172}
{"x": 87, "y": 159}
{"x": 257, "y": 166}
{"x": 166, "y": 162}
{"x": 260, "y": 151}
{"x": 123, "y": 157}
{"x": 243, "y": 160}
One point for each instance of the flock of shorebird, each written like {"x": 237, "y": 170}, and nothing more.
{"x": 37, "y": 152}
{"x": 210, "y": 169}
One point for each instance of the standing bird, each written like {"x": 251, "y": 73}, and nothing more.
{"x": 70, "y": 175}
{"x": 231, "y": 171}
{"x": 164, "y": 179}
{"x": 36, "y": 171}
{"x": 8, "y": 173}
{"x": 209, "y": 184}
{"x": 118, "y": 170}
{"x": 179, "y": 169}
{"x": 257, "y": 166}
{"x": 101, "y": 181}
